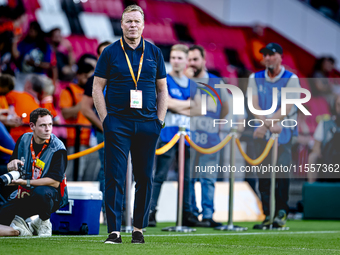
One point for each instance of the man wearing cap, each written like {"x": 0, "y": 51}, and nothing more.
{"x": 262, "y": 84}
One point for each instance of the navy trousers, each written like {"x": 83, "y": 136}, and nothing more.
{"x": 122, "y": 136}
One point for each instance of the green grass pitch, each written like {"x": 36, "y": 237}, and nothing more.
{"x": 303, "y": 237}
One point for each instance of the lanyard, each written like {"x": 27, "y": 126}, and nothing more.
{"x": 39, "y": 154}
{"x": 129, "y": 63}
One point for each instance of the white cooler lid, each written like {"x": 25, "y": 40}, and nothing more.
{"x": 84, "y": 193}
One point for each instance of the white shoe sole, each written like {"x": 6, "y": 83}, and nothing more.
{"x": 19, "y": 224}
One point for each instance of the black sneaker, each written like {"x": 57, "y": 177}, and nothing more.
{"x": 113, "y": 239}
{"x": 189, "y": 219}
{"x": 211, "y": 223}
{"x": 203, "y": 224}
{"x": 152, "y": 218}
{"x": 264, "y": 225}
{"x": 137, "y": 237}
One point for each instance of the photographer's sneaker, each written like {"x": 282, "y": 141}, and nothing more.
{"x": 41, "y": 227}
{"x": 113, "y": 239}
{"x": 137, "y": 237}
{"x": 19, "y": 224}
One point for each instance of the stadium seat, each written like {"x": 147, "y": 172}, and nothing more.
{"x": 233, "y": 38}
{"x": 289, "y": 63}
{"x": 230, "y": 73}
{"x": 112, "y": 8}
{"x": 216, "y": 59}
{"x": 303, "y": 82}
{"x": 50, "y": 20}
{"x": 222, "y": 36}
{"x": 92, "y": 21}
{"x": 31, "y": 5}
{"x": 199, "y": 35}
{"x": 82, "y": 45}
{"x": 160, "y": 32}
{"x": 244, "y": 57}
{"x": 50, "y": 5}
{"x": 93, "y": 6}
{"x": 28, "y": 17}
{"x": 176, "y": 12}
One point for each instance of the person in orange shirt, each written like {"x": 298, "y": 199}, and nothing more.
{"x": 7, "y": 114}
{"x": 47, "y": 98}
{"x": 8, "y": 118}
{"x": 25, "y": 102}
{"x": 256, "y": 44}
{"x": 6, "y": 85}
{"x": 70, "y": 104}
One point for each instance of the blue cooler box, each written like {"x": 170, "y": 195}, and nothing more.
{"x": 81, "y": 215}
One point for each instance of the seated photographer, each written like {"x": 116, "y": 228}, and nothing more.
{"x": 37, "y": 167}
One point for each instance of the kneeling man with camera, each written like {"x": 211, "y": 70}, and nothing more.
{"x": 37, "y": 167}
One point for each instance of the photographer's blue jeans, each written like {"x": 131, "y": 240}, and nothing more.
{"x": 207, "y": 181}
{"x": 163, "y": 164}
{"x": 42, "y": 201}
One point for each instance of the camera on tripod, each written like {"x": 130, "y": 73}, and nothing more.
{"x": 6, "y": 179}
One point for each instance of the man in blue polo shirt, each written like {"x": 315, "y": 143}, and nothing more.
{"x": 262, "y": 84}
{"x": 132, "y": 113}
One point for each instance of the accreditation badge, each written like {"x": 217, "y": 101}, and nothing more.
{"x": 41, "y": 164}
{"x": 136, "y": 99}
{"x": 38, "y": 169}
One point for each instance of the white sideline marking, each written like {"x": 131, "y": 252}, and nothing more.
{"x": 184, "y": 235}
{"x": 250, "y": 246}
{"x": 251, "y": 233}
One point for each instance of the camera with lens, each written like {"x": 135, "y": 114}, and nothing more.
{"x": 6, "y": 179}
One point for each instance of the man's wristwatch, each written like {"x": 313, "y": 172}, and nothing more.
{"x": 28, "y": 184}
{"x": 162, "y": 123}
